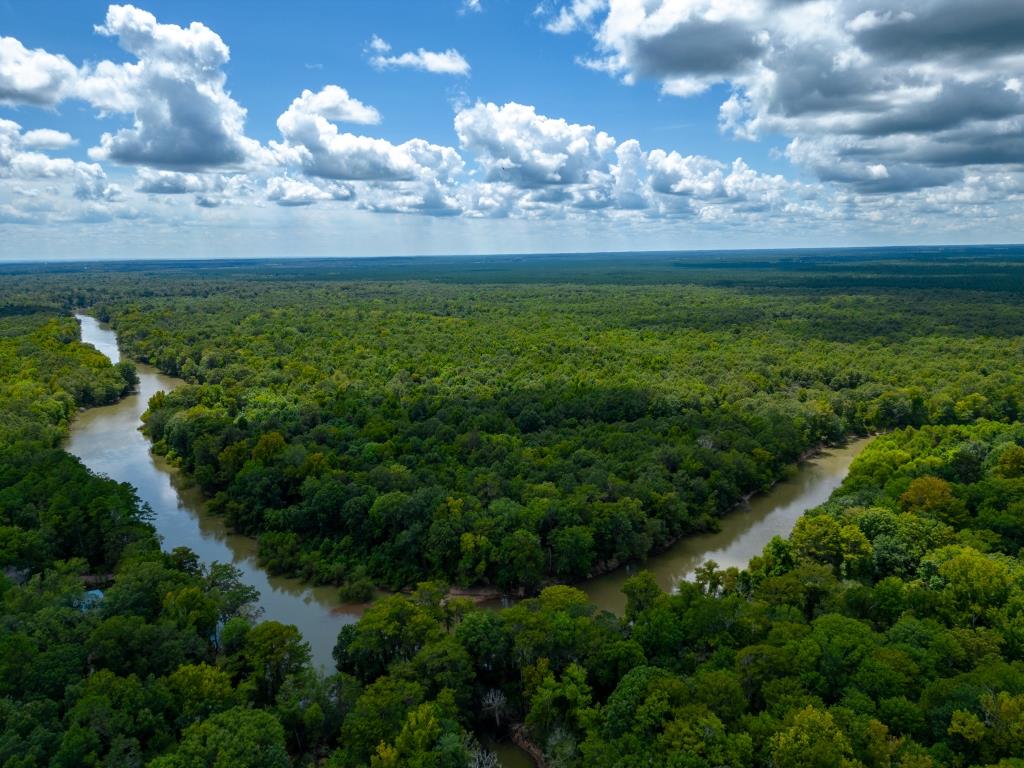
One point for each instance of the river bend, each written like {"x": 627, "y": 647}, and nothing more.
{"x": 107, "y": 439}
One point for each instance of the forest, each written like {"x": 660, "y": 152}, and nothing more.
{"x": 520, "y": 435}
{"x": 366, "y": 432}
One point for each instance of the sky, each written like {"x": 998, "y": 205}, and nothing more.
{"x": 196, "y": 129}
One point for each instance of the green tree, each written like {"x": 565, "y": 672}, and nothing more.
{"x": 520, "y": 561}
{"x": 811, "y": 740}
{"x": 933, "y": 497}
{"x": 199, "y": 691}
{"x": 272, "y": 652}
{"x": 237, "y": 738}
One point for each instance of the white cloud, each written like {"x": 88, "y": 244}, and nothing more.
{"x": 184, "y": 118}
{"x": 575, "y": 15}
{"x": 513, "y": 143}
{"x": 173, "y": 183}
{"x": 378, "y": 44}
{"x": 926, "y": 89}
{"x": 287, "y": 192}
{"x": 315, "y": 144}
{"x": 628, "y": 176}
{"x": 20, "y": 162}
{"x": 33, "y": 76}
{"x": 91, "y": 184}
{"x": 330, "y": 154}
{"x": 449, "y": 62}
{"x": 873, "y": 19}
{"x": 689, "y": 176}
{"x": 541, "y": 167}
{"x": 47, "y": 138}
{"x": 470, "y": 6}
{"x": 36, "y": 165}
{"x": 429, "y": 197}
{"x": 330, "y": 103}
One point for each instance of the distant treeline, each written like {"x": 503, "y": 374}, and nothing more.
{"x": 998, "y": 268}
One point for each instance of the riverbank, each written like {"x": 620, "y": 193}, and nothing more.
{"x": 108, "y": 441}
{"x": 182, "y": 519}
{"x": 743, "y": 532}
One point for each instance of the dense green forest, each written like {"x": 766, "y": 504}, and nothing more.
{"x": 886, "y": 631}
{"x": 428, "y": 433}
{"x": 111, "y": 651}
{"x": 507, "y": 436}
{"x": 50, "y": 507}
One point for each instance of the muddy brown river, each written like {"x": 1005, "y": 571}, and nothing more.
{"x": 742, "y": 533}
{"x": 107, "y": 439}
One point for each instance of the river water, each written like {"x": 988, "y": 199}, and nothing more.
{"x": 743, "y": 533}
{"x": 107, "y": 439}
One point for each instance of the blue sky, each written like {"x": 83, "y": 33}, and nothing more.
{"x": 275, "y": 55}
{"x": 583, "y": 125}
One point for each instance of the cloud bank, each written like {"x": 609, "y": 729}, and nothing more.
{"x": 893, "y": 117}
{"x": 879, "y": 100}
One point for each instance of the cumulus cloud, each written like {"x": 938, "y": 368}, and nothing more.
{"x": 513, "y": 143}
{"x": 91, "y": 184}
{"x": 330, "y": 103}
{"x": 536, "y": 166}
{"x": 330, "y": 154}
{"x": 210, "y": 190}
{"x": 172, "y": 183}
{"x": 314, "y": 143}
{"x": 288, "y": 192}
{"x": 47, "y": 138}
{"x": 574, "y": 15}
{"x": 429, "y": 197}
{"x": 880, "y": 99}
{"x": 448, "y": 62}
{"x": 20, "y": 162}
{"x": 184, "y": 118}
{"x": 33, "y": 76}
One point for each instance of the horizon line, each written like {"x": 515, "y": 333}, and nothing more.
{"x": 499, "y": 255}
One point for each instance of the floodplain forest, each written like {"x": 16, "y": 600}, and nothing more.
{"x": 419, "y": 433}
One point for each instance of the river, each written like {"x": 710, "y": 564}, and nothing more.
{"x": 743, "y": 533}
{"x": 108, "y": 441}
